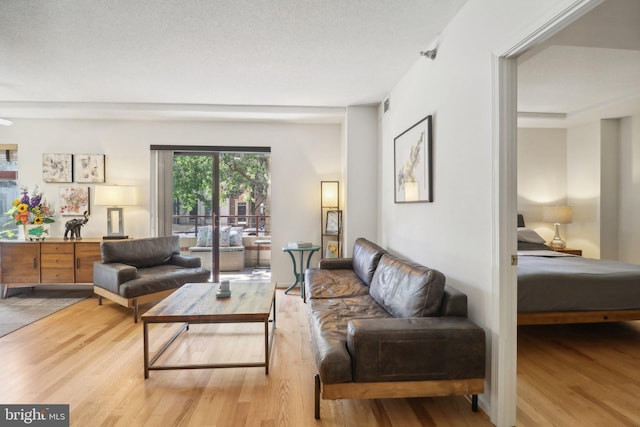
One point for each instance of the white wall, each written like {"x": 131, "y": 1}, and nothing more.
{"x": 583, "y": 187}
{"x": 629, "y": 188}
{"x": 301, "y": 156}
{"x": 542, "y": 176}
{"x": 609, "y": 188}
{"x": 455, "y": 233}
{"x": 361, "y": 175}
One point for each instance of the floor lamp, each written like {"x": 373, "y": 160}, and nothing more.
{"x": 115, "y": 196}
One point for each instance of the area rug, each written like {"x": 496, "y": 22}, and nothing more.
{"x": 24, "y": 306}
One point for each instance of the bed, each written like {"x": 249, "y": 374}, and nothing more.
{"x": 555, "y": 287}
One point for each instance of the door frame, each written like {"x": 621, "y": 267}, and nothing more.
{"x": 504, "y": 287}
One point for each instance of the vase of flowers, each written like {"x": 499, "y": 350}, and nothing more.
{"x": 32, "y": 212}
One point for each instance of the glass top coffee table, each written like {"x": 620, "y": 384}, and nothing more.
{"x": 197, "y": 303}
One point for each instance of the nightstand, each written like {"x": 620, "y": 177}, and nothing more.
{"x": 569, "y": 251}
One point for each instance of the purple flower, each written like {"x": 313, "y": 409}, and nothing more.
{"x": 25, "y": 197}
{"x": 35, "y": 200}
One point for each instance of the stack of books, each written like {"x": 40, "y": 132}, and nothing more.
{"x": 299, "y": 245}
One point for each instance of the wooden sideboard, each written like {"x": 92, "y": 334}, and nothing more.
{"x": 49, "y": 262}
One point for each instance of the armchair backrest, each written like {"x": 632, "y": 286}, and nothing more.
{"x": 140, "y": 253}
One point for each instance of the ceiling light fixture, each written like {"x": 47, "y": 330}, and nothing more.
{"x": 5, "y": 122}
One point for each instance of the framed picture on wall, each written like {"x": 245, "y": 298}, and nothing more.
{"x": 74, "y": 201}
{"x": 413, "y": 165}
{"x": 57, "y": 167}
{"x": 88, "y": 167}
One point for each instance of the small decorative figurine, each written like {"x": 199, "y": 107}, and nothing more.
{"x": 73, "y": 226}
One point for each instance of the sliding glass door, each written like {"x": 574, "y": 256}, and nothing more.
{"x": 217, "y": 199}
{"x": 195, "y": 206}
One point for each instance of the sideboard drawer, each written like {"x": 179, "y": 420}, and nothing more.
{"x": 57, "y": 261}
{"x": 56, "y": 248}
{"x": 56, "y": 275}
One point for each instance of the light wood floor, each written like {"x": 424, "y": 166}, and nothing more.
{"x": 90, "y": 357}
{"x": 579, "y": 375}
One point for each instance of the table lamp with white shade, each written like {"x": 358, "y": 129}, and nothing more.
{"x": 115, "y": 196}
{"x": 557, "y": 215}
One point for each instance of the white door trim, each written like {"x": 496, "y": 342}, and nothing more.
{"x": 504, "y": 288}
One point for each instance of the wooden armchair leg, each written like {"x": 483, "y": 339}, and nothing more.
{"x": 317, "y": 397}
{"x": 135, "y": 310}
{"x": 474, "y": 402}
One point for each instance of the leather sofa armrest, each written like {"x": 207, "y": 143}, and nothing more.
{"x": 186, "y": 261}
{"x": 454, "y": 302}
{"x": 407, "y": 349}
{"x": 336, "y": 264}
{"x": 111, "y": 275}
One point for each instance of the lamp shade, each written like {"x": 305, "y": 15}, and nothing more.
{"x": 115, "y": 195}
{"x": 557, "y": 214}
{"x": 329, "y": 191}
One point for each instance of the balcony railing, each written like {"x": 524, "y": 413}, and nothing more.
{"x": 257, "y": 225}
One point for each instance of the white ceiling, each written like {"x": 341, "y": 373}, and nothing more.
{"x": 591, "y": 69}
{"x": 206, "y": 58}
{"x": 284, "y": 59}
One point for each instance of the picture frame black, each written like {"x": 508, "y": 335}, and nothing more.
{"x": 413, "y": 164}
{"x": 88, "y": 168}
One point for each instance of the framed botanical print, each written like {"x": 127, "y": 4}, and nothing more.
{"x": 74, "y": 201}
{"x": 88, "y": 167}
{"x": 413, "y": 170}
{"x": 57, "y": 167}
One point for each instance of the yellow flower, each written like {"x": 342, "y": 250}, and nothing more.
{"x": 16, "y": 202}
{"x": 22, "y": 207}
{"x": 38, "y": 220}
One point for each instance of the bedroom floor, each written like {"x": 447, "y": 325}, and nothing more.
{"x": 586, "y": 374}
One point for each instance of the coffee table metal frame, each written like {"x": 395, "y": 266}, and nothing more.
{"x": 266, "y": 318}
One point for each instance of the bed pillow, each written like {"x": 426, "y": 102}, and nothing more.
{"x": 527, "y": 246}
{"x": 529, "y": 236}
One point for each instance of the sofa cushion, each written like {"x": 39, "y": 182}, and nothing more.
{"x": 407, "y": 289}
{"x": 322, "y": 283}
{"x": 205, "y": 237}
{"x": 160, "y": 278}
{"x": 235, "y": 236}
{"x": 365, "y": 258}
{"x": 140, "y": 253}
{"x": 225, "y": 230}
{"x": 328, "y": 319}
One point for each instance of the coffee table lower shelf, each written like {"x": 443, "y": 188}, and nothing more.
{"x": 150, "y": 364}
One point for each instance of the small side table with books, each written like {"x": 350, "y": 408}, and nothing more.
{"x": 298, "y": 265}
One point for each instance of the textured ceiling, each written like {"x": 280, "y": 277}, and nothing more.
{"x": 330, "y": 53}
{"x": 258, "y": 58}
{"x": 590, "y": 69}
{"x": 582, "y": 78}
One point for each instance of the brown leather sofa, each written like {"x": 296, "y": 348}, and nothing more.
{"x": 137, "y": 271}
{"x": 383, "y": 327}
